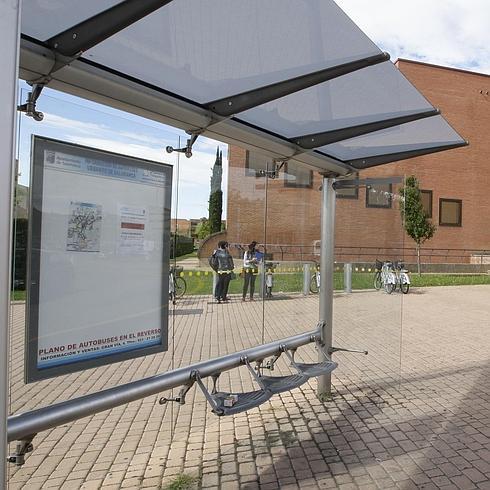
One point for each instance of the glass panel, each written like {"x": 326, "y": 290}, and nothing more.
{"x": 450, "y": 211}
{"x": 198, "y": 330}
{"x": 367, "y": 311}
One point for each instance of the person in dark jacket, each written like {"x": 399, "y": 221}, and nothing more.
{"x": 222, "y": 263}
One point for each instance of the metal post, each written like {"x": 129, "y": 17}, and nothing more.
{"x": 348, "y": 278}
{"x": 306, "y": 279}
{"x": 9, "y": 36}
{"x": 262, "y": 285}
{"x": 215, "y": 282}
{"x": 326, "y": 279}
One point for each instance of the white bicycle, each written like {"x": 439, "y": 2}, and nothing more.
{"x": 315, "y": 281}
{"x": 393, "y": 276}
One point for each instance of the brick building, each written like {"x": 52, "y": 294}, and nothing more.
{"x": 455, "y": 184}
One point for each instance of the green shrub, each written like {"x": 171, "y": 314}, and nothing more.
{"x": 19, "y": 254}
{"x": 180, "y": 245}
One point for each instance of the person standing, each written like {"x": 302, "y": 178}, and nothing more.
{"x": 222, "y": 262}
{"x": 250, "y": 270}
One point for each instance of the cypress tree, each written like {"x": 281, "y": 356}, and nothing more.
{"x": 216, "y": 195}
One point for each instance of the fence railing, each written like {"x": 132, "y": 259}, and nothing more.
{"x": 300, "y": 253}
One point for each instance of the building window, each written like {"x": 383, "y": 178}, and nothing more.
{"x": 256, "y": 164}
{"x": 426, "y": 197}
{"x": 297, "y": 176}
{"x": 450, "y": 212}
{"x": 348, "y": 193}
{"x": 379, "y": 196}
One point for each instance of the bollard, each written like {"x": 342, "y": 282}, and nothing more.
{"x": 348, "y": 278}
{"x": 306, "y": 279}
{"x": 215, "y": 281}
{"x": 261, "y": 275}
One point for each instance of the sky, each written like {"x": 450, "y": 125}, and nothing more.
{"x": 453, "y": 33}
{"x": 71, "y": 119}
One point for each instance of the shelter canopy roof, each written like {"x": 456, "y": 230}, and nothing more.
{"x": 294, "y": 79}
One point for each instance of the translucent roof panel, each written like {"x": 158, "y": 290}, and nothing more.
{"x": 259, "y": 74}
{"x": 57, "y": 15}
{"x": 426, "y": 133}
{"x": 374, "y": 93}
{"x": 206, "y": 50}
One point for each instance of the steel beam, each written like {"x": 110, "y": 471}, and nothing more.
{"x": 316, "y": 140}
{"x": 349, "y": 183}
{"x": 367, "y": 162}
{"x": 24, "y": 426}
{"x": 325, "y": 316}
{"x": 86, "y": 34}
{"x": 252, "y": 98}
{"x": 9, "y": 35}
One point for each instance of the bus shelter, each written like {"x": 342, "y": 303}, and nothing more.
{"x": 296, "y": 81}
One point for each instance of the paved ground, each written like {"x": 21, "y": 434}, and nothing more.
{"x": 415, "y": 413}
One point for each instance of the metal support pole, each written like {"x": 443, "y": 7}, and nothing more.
{"x": 326, "y": 280}
{"x": 306, "y": 279}
{"x": 9, "y": 36}
{"x": 348, "y": 278}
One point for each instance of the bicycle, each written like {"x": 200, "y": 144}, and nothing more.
{"x": 388, "y": 277}
{"x": 394, "y": 276}
{"x": 402, "y": 278}
{"x": 315, "y": 281}
{"x": 176, "y": 284}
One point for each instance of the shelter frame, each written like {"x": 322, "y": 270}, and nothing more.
{"x": 9, "y": 36}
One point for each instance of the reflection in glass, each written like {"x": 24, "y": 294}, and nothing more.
{"x": 379, "y": 196}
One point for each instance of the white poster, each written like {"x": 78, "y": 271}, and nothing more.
{"x": 132, "y": 226}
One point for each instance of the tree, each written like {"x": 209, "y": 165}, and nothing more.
{"x": 414, "y": 217}
{"x": 216, "y": 195}
{"x": 203, "y": 229}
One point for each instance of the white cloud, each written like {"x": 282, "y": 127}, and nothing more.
{"x": 452, "y": 33}
{"x": 75, "y": 127}
{"x": 67, "y": 124}
{"x": 193, "y": 174}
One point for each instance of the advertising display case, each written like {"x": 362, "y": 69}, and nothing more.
{"x": 99, "y": 258}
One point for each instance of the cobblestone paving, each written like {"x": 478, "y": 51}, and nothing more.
{"x": 414, "y": 413}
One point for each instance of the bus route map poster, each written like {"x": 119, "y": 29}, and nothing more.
{"x": 98, "y": 258}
